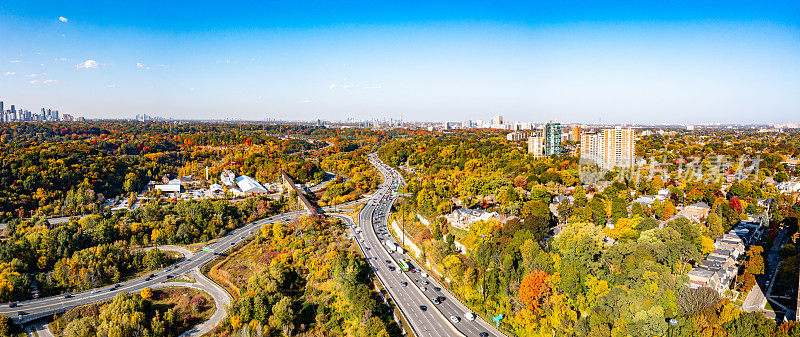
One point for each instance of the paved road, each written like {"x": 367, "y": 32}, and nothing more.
{"x": 186, "y": 253}
{"x": 39, "y": 328}
{"x": 222, "y": 300}
{"x": 418, "y": 291}
{"x": 32, "y": 309}
{"x": 756, "y": 299}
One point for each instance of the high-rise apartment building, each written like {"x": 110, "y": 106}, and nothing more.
{"x": 619, "y": 147}
{"x": 536, "y": 146}
{"x": 591, "y": 147}
{"x": 516, "y": 136}
{"x": 497, "y": 121}
{"x": 576, "y": 133}
{"x": 552, "y": 138}
{"x": 609, "y": 148}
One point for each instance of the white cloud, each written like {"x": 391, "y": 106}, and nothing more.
{"x": 139, "y": 65}
{"x": 31, "y": 75}
{"x": 14, "y": 61}
{"x": 343, "y": 86}
{"x": 89, "y": 64}
{"x": 191, "y": 89}
{"x": 305, "y": 101}
{"x": 372, "y": 87}
{"x": 111, "y": 86}
{"x": 43, "y": 82}
{"x": 9, "y": 73}
{"x": 62, "y": 19}
{"x": 260, "y": 97}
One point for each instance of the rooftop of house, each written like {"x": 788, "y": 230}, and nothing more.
{"x": 722, "y": 251}
{"x": 701, "y": 205}
{"x": 701, "y": 272}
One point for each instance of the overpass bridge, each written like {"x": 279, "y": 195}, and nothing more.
{"x": 301, "y": 198}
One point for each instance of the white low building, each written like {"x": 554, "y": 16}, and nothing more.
{"x": 248, "y": 185}
{"x": 789, "y": 187}
{"x": 463, "y": 218}
{"x": 227, "y": 177}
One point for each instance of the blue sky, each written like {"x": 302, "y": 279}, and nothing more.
{"x": 582, "y": 61}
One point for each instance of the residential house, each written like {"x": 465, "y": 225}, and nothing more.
{"x": 696, "y": 212}
{"x": 463, "y": 218}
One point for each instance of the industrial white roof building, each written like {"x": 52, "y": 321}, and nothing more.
{"x": 249, "y": 185}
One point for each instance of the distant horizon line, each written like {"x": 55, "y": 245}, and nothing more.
{"x": 432, "y": 122}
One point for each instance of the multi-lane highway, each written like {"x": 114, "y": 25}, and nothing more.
{"x": 26, "y": 311}
{"x": 429, "y": 308}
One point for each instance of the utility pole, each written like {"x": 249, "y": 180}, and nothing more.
{"x": 403, "y": 223}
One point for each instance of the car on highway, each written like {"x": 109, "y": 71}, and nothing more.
{"x": 423, "y": 308}
{"x": 425, "y": 283}
{"x": 68, "y": 296}
{"x": 435, "y": 300}
{"x": 455, "y": 319}
{"x": 483, "y": 334}
{"x": 12, "y": 305}
{"x": 424, "y": 288}
{"x": 437, "y": 288}
{"x": 404, "y": 283}
{"x": 95, "y": 291}
{"x": 470, "y": 316}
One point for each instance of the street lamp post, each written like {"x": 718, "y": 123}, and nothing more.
{"x": 483, "y": 278}
{"x": 672, "y": 324}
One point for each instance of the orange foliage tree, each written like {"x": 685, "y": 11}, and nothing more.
{"x": 534, "y": 290}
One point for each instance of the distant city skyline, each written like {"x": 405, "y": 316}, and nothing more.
{"x": 682, "y": 62}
